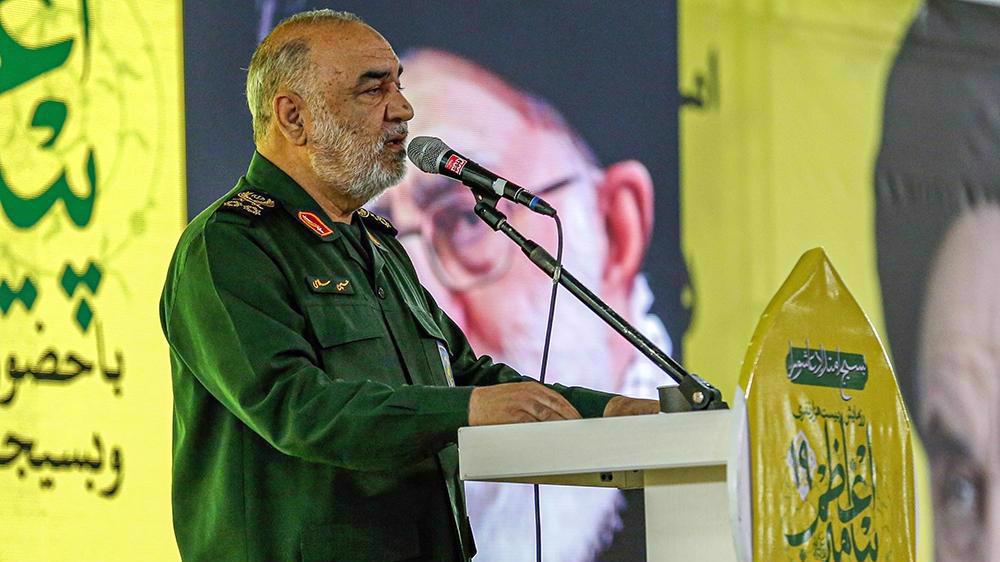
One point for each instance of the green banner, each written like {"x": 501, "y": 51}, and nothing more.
{"x": 820, "y": 367}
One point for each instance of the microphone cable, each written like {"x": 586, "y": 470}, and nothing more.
{"x": 545, "y": 362}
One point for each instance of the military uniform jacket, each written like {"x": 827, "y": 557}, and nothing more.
{"x": 318, "y": 388}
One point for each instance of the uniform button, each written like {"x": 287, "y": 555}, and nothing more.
{"x": 380, "y": 292}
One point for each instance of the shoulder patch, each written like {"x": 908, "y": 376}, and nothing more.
{"x": 249, "y": 203}
{"x": 379, "y": 222}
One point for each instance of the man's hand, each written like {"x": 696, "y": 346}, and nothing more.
{"x": 518, "y": 402}
{"x": 625, "y": 406}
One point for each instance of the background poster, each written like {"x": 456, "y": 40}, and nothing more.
{"x": 937, "y": 193}
{"x": 868, "y": 128}
{"x": 91, "y": 202}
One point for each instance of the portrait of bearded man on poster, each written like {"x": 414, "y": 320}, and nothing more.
{"x": 500, "y": 299}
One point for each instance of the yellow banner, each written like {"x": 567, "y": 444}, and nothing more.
{"x": 91, "y": 201}
{"x": 830, "y": 454}
{"x": 786, "y": 134}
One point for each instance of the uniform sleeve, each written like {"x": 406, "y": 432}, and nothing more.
{"x": 230, "y": 318}
{"x": 472, "y": 370}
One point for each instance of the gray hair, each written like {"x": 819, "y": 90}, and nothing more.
{"x": 278, "y": 63}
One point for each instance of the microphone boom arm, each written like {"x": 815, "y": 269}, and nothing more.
{"x": 692, "y": 391}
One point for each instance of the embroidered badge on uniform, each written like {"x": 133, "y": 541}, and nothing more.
{"x": 374, "y": 240}
{"x": 377, "y": 221}
{"x": 314, "y": 223}
{"x": 385, "y": 223}
{"x": 249, "y": 203}
{"x": 330, "y": 285}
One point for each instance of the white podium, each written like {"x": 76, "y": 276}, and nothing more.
{"x": 681, "y": 460}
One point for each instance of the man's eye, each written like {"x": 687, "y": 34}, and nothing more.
{"x": 375, "y": 90}
{"x": 961, "y": 496}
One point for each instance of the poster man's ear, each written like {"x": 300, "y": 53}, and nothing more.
{"x": 625, "y": 198}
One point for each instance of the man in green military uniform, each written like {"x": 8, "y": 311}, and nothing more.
{"x": 318, "y": 388}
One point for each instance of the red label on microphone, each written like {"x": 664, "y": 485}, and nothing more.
{"x": 455, "y": 164}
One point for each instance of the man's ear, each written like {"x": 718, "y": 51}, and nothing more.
{"x": 625, "y": 198}
{"x": 289, "y": 116}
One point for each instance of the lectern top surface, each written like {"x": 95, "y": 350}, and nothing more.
{"x": 595, "y": 445}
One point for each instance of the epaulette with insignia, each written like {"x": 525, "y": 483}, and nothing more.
{"x": 249, "y": 203}
{"x": 377, "y": 221}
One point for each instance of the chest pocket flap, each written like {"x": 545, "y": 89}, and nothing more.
{"x": 336, "y": 324}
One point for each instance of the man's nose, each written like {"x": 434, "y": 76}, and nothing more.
{"x": 398, "y": 108}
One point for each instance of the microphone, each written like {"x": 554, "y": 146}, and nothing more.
{"x": 433, "y": 156}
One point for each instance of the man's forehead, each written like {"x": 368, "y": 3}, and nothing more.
{"x": 962, "y": 303}
{"x": 477, "y": 113}
{"x": 444, "y": 97}
{"x": 465, "y": 116}
{"x": 960, "y": 388}
{"x": 350, "y": 49}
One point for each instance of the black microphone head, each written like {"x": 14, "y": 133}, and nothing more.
{"x": 425, "y": 152}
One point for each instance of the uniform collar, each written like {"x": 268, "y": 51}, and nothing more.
{"x": 267, "y": 176}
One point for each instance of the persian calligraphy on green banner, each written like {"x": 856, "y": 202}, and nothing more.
{"x": 819, "y": 367}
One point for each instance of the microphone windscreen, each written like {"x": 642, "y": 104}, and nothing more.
{"x": 424, "y": 152}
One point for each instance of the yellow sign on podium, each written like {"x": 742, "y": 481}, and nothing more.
{"x": 831, "y": 464}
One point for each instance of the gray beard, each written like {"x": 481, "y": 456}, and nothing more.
{"x": 356, "y": 168}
